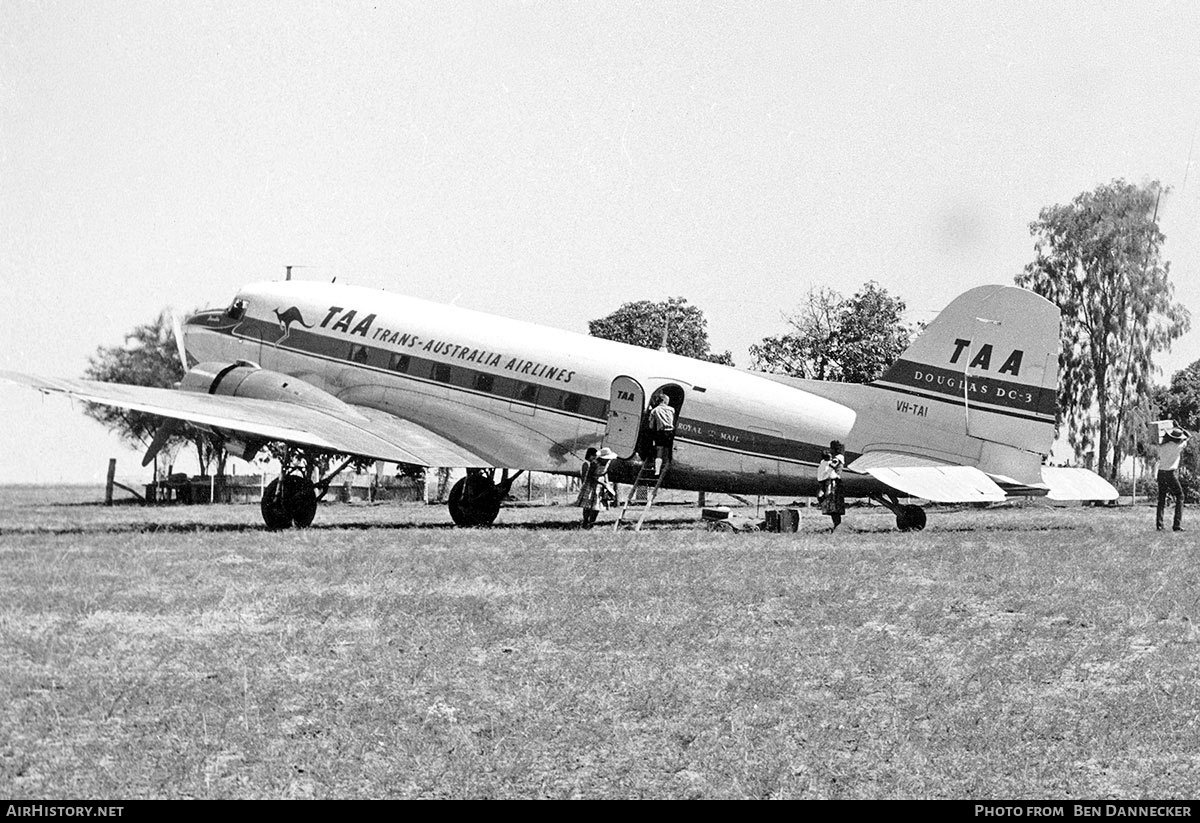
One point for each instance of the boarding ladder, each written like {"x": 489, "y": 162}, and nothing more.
{"x": 646, "y": 479}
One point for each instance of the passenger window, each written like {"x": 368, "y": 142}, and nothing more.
{"x": 399, "y": 362}
{"x": 359, "y": 354}
{"x": 484, "y": 382}
{"x": 527, "y": 392}
{"x": 441, "y": 372}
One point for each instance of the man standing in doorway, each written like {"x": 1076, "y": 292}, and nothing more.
{"x": 1169, "y": 453}
{"x": 662, "y": 431}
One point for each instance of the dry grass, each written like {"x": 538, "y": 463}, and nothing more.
{"x": 1001, "y": 654}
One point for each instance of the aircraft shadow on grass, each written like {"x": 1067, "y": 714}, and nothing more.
{"x": 556, "y": 525}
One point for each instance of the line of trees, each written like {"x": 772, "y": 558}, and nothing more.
{"x": 830, "y": 337}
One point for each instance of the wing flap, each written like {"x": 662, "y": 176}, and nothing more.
{"x": 373, "y": 434}
{"x": 434, "y": 449}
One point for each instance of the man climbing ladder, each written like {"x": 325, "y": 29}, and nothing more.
{"x": 662, "y": 431}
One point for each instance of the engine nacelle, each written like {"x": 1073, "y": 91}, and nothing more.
{"x": 245, "y": 379}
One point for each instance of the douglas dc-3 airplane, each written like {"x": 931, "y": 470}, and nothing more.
{"x": 965, "y": 415}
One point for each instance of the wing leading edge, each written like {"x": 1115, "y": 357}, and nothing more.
{"x": 365, "y": 433}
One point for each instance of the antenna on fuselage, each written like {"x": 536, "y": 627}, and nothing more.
{"x": 288, "y": 269}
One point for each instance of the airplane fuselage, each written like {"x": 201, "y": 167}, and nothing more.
{"x": 522, "y": 395}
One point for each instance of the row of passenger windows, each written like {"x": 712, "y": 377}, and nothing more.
{"x": 479, "y": 381}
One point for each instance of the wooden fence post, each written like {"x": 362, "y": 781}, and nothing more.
{"x": 108, "y": 485}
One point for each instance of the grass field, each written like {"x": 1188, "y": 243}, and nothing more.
{"x": 184, "y": 652}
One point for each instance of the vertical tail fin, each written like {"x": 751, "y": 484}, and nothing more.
{"x": 978, "y": 386}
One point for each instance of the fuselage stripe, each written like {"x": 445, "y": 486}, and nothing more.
{"x": 959, "y": 402}
{"x": 530, "y": 395}
{"x": 982, "y": 388}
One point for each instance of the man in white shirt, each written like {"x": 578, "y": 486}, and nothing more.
{"x": 662, "y": 431}
{"x": 1169, "y": 453}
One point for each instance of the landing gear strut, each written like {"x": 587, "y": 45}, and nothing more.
{"x": 475, "y": 499}
{"x": 908, "y": 518}
{"x": 291, "y": 500}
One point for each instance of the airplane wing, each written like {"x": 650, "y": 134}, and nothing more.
{"x": 363, "y": 431}
{"x": 928, "y": 479}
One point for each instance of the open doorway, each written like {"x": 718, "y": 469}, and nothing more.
{"x": 675, "y": 395}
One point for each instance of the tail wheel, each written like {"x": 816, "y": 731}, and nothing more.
{"x": 474, "y": 501}
{"x": 910, "y": 518}
{"x": 294, "y": 505}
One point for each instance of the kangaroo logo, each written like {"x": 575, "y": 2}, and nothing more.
{"x": 286, "y": 319}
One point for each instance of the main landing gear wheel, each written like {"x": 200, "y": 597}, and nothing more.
{"x": 295, "y": 505}
{"x": 910, "y": 518}
{"x": 474, "y": 501}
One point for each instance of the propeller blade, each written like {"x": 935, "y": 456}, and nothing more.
{"x": 177, "y": 327}
{"x": 161, "y": 436}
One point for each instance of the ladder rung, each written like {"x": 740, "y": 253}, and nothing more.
{"x": 642, "y": 480}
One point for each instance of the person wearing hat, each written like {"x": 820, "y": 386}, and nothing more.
{"x": 595, "y": 492}
{"x": 1169, "y": 452}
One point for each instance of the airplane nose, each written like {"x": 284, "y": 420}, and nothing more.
{"x": 199, "y": 333}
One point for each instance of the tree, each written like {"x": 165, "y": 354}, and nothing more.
{"x": 149, "y": 357}
{"x": 847, "y": 339}
{"x": 1181, "y": 400}
{"x": 642, "y": 323}
{"x": 1098, "y": 260}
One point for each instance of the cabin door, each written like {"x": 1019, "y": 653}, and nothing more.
{"x": 626, "y": 404}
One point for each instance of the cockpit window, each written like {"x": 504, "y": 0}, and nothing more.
{"x": 236, "y": 310}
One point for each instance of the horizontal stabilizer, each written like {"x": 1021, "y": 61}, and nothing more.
{"x": 1076, "y": 484}
{"x": 927, "y": 480}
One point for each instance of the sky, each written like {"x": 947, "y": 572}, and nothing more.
{"x": 551, "y": 161}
